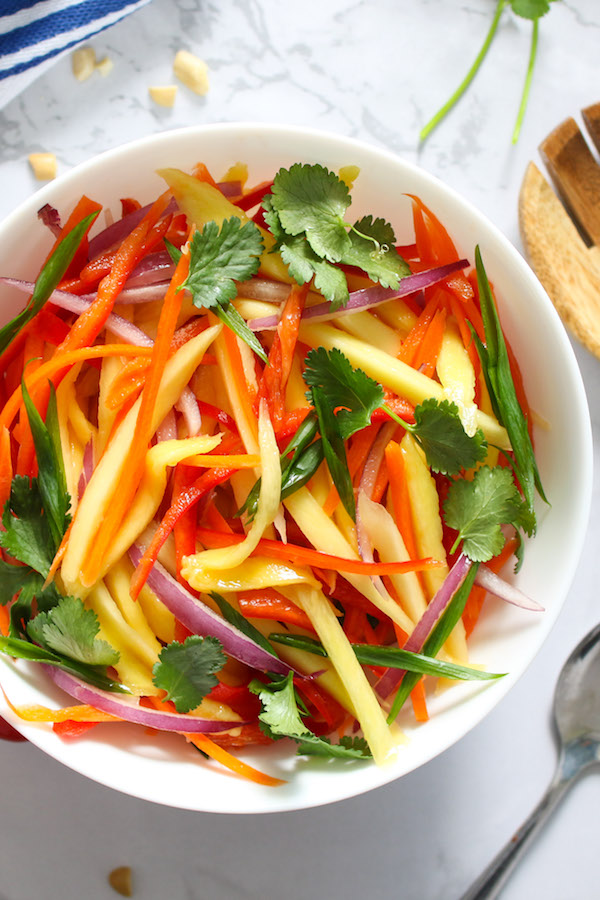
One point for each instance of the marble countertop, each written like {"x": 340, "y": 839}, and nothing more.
{"x": 374, "y": 70}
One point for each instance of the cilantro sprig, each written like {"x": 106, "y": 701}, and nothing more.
{"x": 306, "y": 214}
{"x": 345, "y": 399}
{"x": 533, "y": 10}
{"x": 281, "y": 717}
{"x": 219, "y": 258}
{"x": 186, "y": 671}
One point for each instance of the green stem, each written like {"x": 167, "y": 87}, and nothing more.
{"x": 528, "y": 77}
{"x": 435, "y": 121}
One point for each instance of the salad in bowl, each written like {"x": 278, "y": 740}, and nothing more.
{"x": 277, "y": 469}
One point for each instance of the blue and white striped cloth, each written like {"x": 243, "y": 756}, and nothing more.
{"x": 34, "y": 33}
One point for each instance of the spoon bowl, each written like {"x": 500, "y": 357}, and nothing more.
{"x": 577, "y": 720}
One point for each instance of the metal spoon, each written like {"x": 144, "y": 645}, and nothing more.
{"x": 577, "y": 720}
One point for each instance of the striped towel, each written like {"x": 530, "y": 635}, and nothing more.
{"x": 35, "y": 33}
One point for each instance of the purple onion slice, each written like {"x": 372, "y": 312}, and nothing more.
{"x": 200, "y": 619}
{"x": 129, "y": 709}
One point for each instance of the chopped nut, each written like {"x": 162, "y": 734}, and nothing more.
{"x": 164, "y": 95}
{"x": 120, "y": 881}
{"x": 43, "y": 165}
{"x": 83, "y": 62}
{"x": 192, "y": 71}
{"x": 105, "y": 66}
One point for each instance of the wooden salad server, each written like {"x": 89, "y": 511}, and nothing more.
{"x": 560, "y": 228}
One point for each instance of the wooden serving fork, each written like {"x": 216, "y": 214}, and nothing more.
{"x": 562, "y": 239}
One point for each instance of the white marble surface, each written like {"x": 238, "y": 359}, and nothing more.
{"x": 374, "y": 69}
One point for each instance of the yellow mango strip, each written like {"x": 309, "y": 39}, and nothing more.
{"x": 233, "y": 460}
{"x": 255, "y": 309}
{"x": 387, "y": 540}
{"x": 427, "y": 526}
{"x": 83, "y": 713}
{"x": 247, "y": 357}
{"x": 204, "y": 564}
{"x": 457, "y": 376}
{"x": 324, "y": 535}
{"x": 254, "y": 573}
{"x": 117, "y": 581}
{"x": 136, "y": 658}
{"x": 111, "y": 467}
{"x": 159, "y": 618}
{"x": 397, "y": 315}
{"x": 295, "y": 394}
{"x": 485, "y": 404}
{"x": 368, "y": 711}
{"x": 152, "y": 489}
{"x": 237, "y": 395}
{"x": 366, "y": 326}
{"x": 393, "y": 373}
{"x": 202, "y": 203}
{"x": 82, "y": 427}
{"x": 111, "y": 366}
{"x": 72, "y": 451}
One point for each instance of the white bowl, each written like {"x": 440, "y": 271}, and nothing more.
{"x": 163, "y": 769}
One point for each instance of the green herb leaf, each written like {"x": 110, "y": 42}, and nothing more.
{"x": 440, "y": 432}
{"x": 51, "y": 479}
{"x": 311, "y": 200}
{"x": 372, "y": 249}
{"x": 280, "y": 717}
{"x": 70, "y": 630}
{"x": 47, "y": 280}
{"x": 27, "y": 535}
{"x": 231, "y": 615}
{"x": 186, "y": 671}
{"x": 219, "y": 258}
{"x": 350, "y": 391}
{"x": 498, "y": 377}
{"x": 477, "y": 509}
{"x": 530, "y": 9}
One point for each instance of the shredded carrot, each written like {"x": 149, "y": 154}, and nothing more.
{"x": 427, "y": 354}
{"x": 6, "y": 468}
{"x": 419, "y": 701}
{"x": 143, "y": 427}
{"x": 402, "y": 512}
{"x": 308, "y": 556}
{"x": 412, "y": 341}
{"x": 271, "y": 604}
{"x": 65, "y": 361}
{"x": 219, "y": 754}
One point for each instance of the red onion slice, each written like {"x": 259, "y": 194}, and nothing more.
{"x": 453, "y": 580}
{"x": 368, "y": 297}
{"x": 78, "y": 304}
{"x": 200, "y": 619}
{"x": 496, "y": 585}
{"x": 50, "y": 217}
{"x": 129, "y": 709}
{"x": 187, "y": 405}
{"x": 153, "y": 268}
{"x": 117, "y": 231}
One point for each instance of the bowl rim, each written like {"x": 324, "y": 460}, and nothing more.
{"x": 482, "y": 702}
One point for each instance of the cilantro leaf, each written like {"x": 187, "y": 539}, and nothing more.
{"x": 440, "y": 432}
{"x": 186, "y": 671}
{"x": 353, "y": 393}
{"x": 348, "y": 748}
{"x": 477, "y": 509}
{"x": 280, "y": 717}
{"x": 219, "y": 258}
{"x": 27, "y": 535}
{"x": 47, "y": 280}
{"x": 70, "y": 629}
{"x": 372, "y": 250}
{"x": 311, "y": 200}
{"x": 530, "y": 9}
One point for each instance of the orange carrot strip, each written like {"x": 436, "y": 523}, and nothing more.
{"x": 143, "y": 427}
{"x": 427, "y": 354}
{"x": 402, "y": 514}
{"x": 419, "y": 702}
{"x": 219, "y": 754}
{"x": 308, "y": 556}
{"x": 65, "y": 361}
{"x": 6, "y": 469}
{"x": 413, "y": 340}
{"x": 271, "y": 604}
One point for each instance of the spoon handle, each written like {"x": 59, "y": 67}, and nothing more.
{"x": 492, "y": 879}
